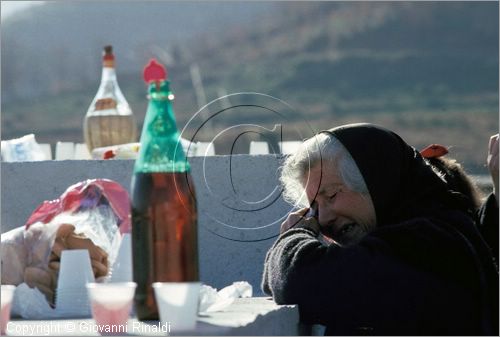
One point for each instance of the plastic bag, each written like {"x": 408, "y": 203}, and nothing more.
{"x": 22, "y": 149}
{"x": 99, "y": 211}
{"x": 212, "y": 300}
{"x": 87, "y": 195}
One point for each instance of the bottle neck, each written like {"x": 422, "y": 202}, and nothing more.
{"x": 108, "y": 74}
{"x": 161, "y": 149}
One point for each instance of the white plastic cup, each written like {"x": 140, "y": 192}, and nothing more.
{"x": 112, "y": 303}
{"x": 6, "y": 301}
{"x": 178, "y": 304}
{"x": 74, "y": 274}
{"x": 76, "y": 270}
{"x": 122, "y": 268}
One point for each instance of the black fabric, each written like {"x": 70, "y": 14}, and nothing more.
{"x": 488, "y": 223}
{"x": 424, "y": 270}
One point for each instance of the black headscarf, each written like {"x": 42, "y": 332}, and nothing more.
{"x": 401, "y": 184}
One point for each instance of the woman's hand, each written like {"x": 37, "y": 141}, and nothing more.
{"x": 492, "y": 161}
{"x": 44, "y": 280}
{"x": 66, "y": 238}
{"x": 300, "y": 220}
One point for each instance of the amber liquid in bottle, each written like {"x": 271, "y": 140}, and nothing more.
{"x": 164, "y": 208}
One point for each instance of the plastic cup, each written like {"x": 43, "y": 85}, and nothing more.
{"x": 76, "y": 270}
{"x": 122, "y": 268}
{"x": 178, "y": 304}
{"x": 111, "y": 304}
{"x": 6, "y": 301}
{"x": 75, "y": 273}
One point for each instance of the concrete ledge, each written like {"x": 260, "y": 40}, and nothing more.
{"x": 245, "y": 317}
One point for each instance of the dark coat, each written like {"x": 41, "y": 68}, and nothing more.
{"x": 488, "y": 223}
{"x": 415, "y": 278}
{"x": 425, "y": 270}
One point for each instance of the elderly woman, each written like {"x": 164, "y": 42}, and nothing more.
{"x": 389, "y": 251}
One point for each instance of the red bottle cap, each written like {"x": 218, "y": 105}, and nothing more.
{"x": 154, "y": 71}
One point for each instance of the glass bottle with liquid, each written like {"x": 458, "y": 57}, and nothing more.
{"x": 164, "y": 214}
{"x": 109, "y": 119}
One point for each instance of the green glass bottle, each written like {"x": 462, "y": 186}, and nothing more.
{"x": 164, "y": 216}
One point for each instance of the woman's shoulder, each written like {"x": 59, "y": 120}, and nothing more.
{"x": 445, "y": 244}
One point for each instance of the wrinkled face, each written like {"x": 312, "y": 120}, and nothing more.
{"x": 344, "y": 215}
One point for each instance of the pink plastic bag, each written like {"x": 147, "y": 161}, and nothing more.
{"x": 87, "y": 195}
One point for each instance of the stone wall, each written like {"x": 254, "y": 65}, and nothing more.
{"x": 240, "y": 208}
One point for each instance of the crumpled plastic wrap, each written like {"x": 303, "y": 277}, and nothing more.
{"x": 99, "y": 211}
{"x": 84, "y": 195}
{"x": 30, "y": 303}
{"x": 212, "y": 300}
{"x": 24, "y": 148}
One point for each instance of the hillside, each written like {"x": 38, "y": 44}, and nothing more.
{"x": 51, "y": 44}
{"x": 429, "y": 70}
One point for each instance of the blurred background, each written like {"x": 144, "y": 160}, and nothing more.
{"x": 427, "y": 70}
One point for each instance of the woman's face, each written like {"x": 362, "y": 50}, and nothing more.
{"x": 344, "y": 215}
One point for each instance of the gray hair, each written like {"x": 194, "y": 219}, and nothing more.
{"x": 324, "y": 148}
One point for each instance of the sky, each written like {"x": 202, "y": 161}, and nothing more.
{"x": 10, "y": 7}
